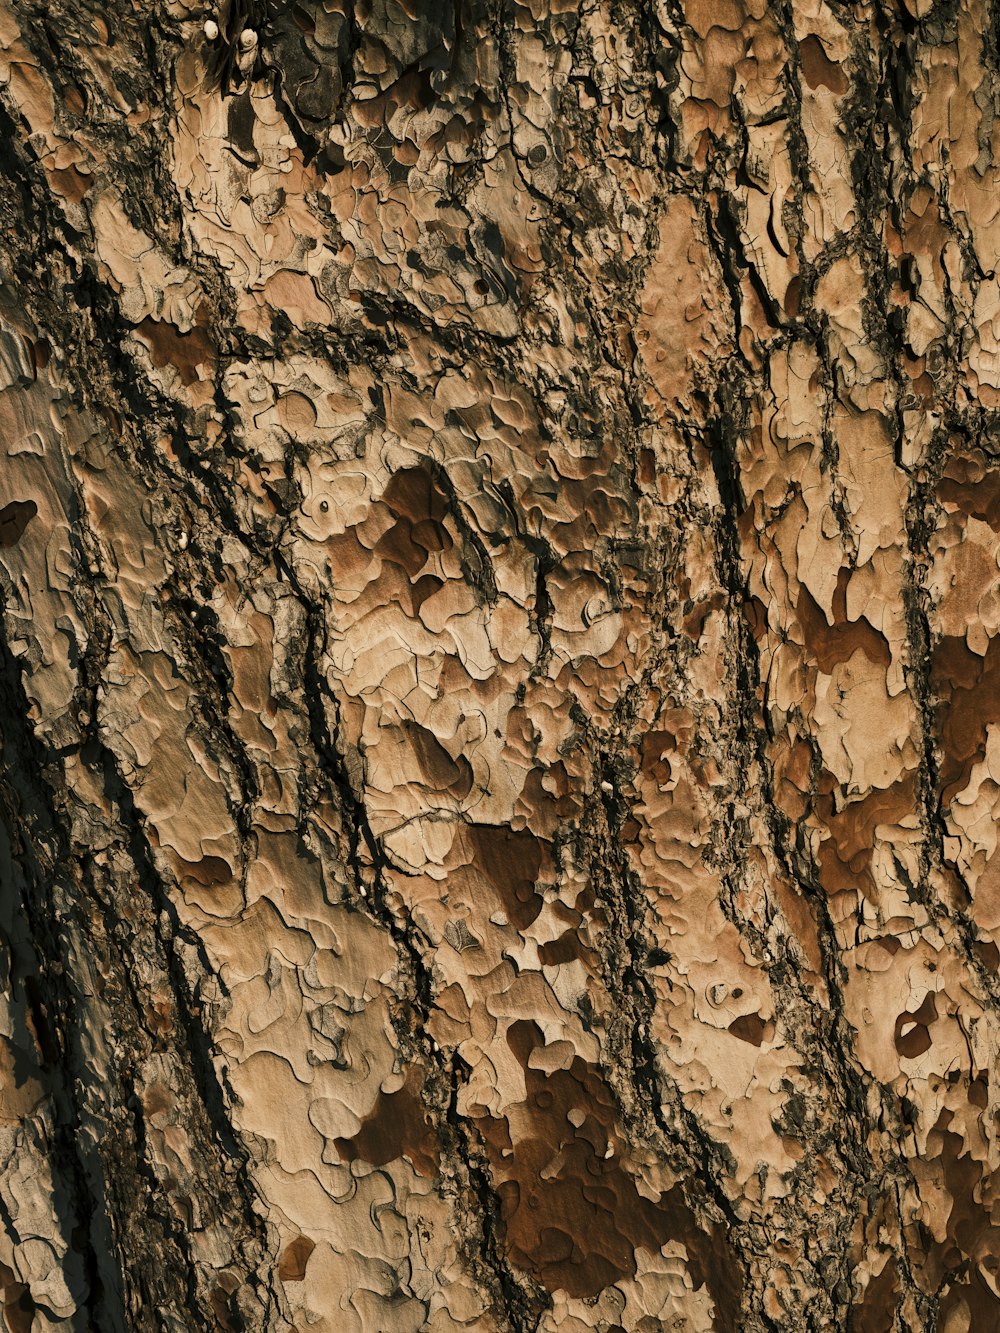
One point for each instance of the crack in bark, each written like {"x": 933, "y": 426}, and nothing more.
{"x": 411, "y": 1024}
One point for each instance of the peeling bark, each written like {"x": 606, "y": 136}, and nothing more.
{"x": 498, "y": 566}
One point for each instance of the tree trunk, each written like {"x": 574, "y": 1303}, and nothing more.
{"x": 500, "y": 683}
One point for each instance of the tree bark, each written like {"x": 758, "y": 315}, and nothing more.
{"x": 500, "y": 673}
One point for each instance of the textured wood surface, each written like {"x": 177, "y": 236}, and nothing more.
{"x": 500, "y": 665}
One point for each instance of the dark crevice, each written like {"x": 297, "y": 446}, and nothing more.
{"x": 26, "y": 802}
{"x": 370, "y": 872}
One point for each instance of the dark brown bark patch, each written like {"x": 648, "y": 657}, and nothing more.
{"x": 396, "y": 1127}
{"x": 572, "y": 1214}
{"x": 819, "y": 70}
{"x": 968, "y": 687}
{"x": 912, "y": 1034}
{"x": 749, "y": 1028}
{"x": 972, "y": 1239}
{"x": 836, "y": 643}
{"x": 510, "y": 862}
{"x": 876, "y": 1310}
{"x": 845, "y": 858}
{"x": 18, "y": 1307}
{"x": 294, "y": 1258}
{"x": 972, "y": 486}
{"x": 169, "y": 347}
{"x": 14, "y": 518}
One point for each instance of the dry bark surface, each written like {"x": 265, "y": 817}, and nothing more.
{"x": 500, "y": 674}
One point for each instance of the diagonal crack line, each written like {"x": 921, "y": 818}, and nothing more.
{"x": 374, "y": 888}
{"x": 25, "y": 757}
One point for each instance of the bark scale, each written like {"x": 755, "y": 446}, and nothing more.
{"x": 499, "y": 674}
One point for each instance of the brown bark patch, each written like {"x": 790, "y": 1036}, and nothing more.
{"x": 420, "y": 506}
{"x": 916, "y": 1038}
{"x": 294, "y": 1258}
{"x": 413, "y": 493}
{"x": 988, "y": 954}
{"x": 169, "y": 347}
{"x": 881, "y": 1297}
{"x": 510, "y": 862}
{"x": 792, "y": 776}
{"x": 968, "y": 687}
{"x": 972, "y": 487}
{"x": 14, "y": 518}
{"x": 563, "y": 950}
{"x": 845, "y": 858}
{"x": 156, "y": 1099}
{"x": 952, "y": 1266}
{"x": 818, "y": 69}
{"x": 221, "y": 1301}
{"x": 395, "y": 1128}
{"x": 571, "y": 1212}
{"x": 209, "y": 871}
{"x": 70, "y": 183}
{"x": 836, "y": 643}
{"x": 441, "y": 772}
{"x": 296, "y": 412}
{"x": 749, "y": 1028}
{"x": 18, "y": 1306}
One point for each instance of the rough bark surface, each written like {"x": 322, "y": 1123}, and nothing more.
{"x": 500, "y": 674}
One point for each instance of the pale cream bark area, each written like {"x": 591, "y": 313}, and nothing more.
{"x": 499, "y": 572}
